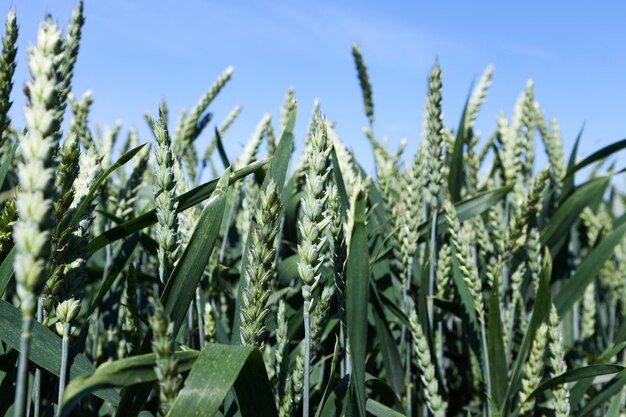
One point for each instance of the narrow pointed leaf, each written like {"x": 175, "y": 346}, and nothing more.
{"x": 587, "y": 270}
{"x": 6, "y": 271}
{"x": 120, "y": 373}
{"x": 497, "y": 355}
{"x": 218, "y": 369}
{"x": 357, "y": 295}
{"x": 573, "y": 375}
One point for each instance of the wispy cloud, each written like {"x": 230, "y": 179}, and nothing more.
{"x": 389, "y": 40}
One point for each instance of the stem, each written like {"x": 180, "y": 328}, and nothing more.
{"x": 440, "y": 342}
{"x": 190, "y": 323}
{"x": 348, "y": 363}
{"x": 65, "y": 348}
{"x": 342, "y": 338}
{"x": 22, "y": 369}
{"x": 575, "y": 322}
{"x": 433, "y": 259}
{"x": 37, "y": 381}
{"x": 404, "y": 339}
{"x": 96, "y": 334}
{"x": 200, "y": 313}
{"x": 485, "y": 355}
{"x": 611, "y": 323}
{"x": 307, "y": 358}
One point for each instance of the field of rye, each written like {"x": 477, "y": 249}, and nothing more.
{"x": 458, "y": 279}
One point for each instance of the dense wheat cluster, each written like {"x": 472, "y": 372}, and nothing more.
{"x": 458, "y": 279}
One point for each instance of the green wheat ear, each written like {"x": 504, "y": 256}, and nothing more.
{"x": 258, "y": 276}
{"x": 165, "y": 199}
{"x": 166, "y": 368}
{"x": 366, "y": 86}
{"x": 34, "y": 198}
{"x": 7, "y": 69}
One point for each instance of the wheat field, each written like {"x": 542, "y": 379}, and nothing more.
{"x": 457, "y": 279}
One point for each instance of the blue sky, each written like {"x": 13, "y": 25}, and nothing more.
{"x": 134, "y": 53}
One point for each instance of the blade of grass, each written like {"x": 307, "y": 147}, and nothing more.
{"x": 605, "y": 394}
{"x": 569, "y": 210}
{"x": 587, "y": 271}
{"x": 218, "y": 369}
{"x": 357, "y": 296}
{"x": 120, "y": 373}
{"x": 573, "y": 375}
{"x": 456, "y": 176}
{"x": 496, "y": 351}
{"x": 6, "y": 271}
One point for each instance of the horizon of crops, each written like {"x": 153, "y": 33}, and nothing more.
{"x": 458, "y": 279}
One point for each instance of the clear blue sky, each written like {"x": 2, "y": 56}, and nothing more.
{"x": 134, "y": 53}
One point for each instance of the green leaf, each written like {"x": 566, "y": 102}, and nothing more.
{"x": 574, "y": 375}
{"x": 379, "y": 410}
{"x": 466, "y": 209}
{"x": 181, "y": 286}
{"x": 185, "y": 201}
{"x": 6, "y": 164}
{"x": 568, "y": 182}
{"x": 45, "y": 348}
{"x": 495, "y": 412}
{"x": 336, "y": 404}
{"x": 278, "y": 173}
{"x": 479, "y": 203}
{"x": 220, "y": 148}
{"x": 6, "y": 271}
{"x": 341, "y": 187}
{"x": 387, "y": 343}
{"x": 94, "y": 188}
{"x": 331, "y": 376}
{"x": 217, "y": 369}
{"x": 497, "y": 356}
{"x": 587, "y": 270}
{"x": 541, "y": 310}
{"x": 606, "y": 393}
{"x": 456, "y": 176}
{"x": 597, "y": 156}
{"x": 615, "y": 407}
{"x": 569, "y": 211}
{"x": 357, "y": 296}
{"x": 120, "y": 373}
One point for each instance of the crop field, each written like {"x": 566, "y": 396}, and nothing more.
{"x": 160, "y": 276}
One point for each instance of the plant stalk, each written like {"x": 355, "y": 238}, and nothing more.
{"x": 307, "y": 359}
{"x": 200, "y": 314}
{"x": 22, "y": 368}
{"x": 65, "y": 348}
